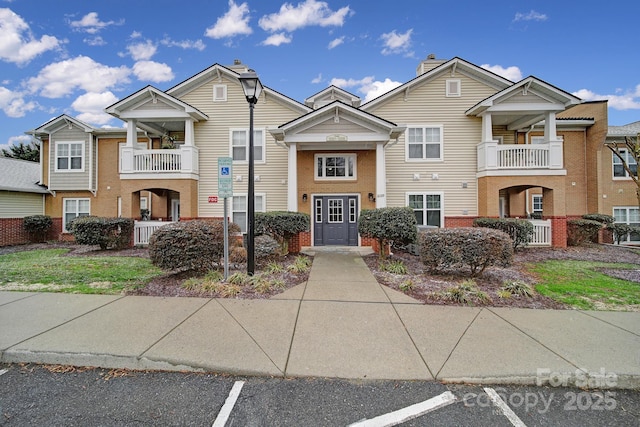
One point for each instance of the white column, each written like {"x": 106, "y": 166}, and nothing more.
{"x": 381, "y": 177}
{"x": 132, "y": 133}
{"x": 292, "y": 179}
{"x": 550, "y": 127}
{"x": 188, "y": 133}
{"x": 487, "y": 128}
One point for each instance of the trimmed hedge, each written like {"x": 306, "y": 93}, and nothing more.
{"x": 196, "y": 245}
{"x": 265, "y": 247}
{"x": 38, "y": 226}
{"x": 520, "y": 230}
{"x": 475, "y": 248}
{"x": 387, "y": 225}
{"x": 281, "y": 225}
{"x": 581, "y": 231}
{"x": 601, "y": 218}
{"x": 620, "y": 231}
{"x": 108, "y": 233}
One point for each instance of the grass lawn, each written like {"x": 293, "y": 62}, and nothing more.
{"x": 581, "y": 285}
{"x": 50, "y": 270}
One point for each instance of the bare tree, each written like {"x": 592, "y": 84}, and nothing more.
{"x": 633, "y": 148}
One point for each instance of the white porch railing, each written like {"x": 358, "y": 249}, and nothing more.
{"x": 143, "y": 230}
{"x": 541, "y": 232}
{"x": 494, "y": 156}
{"x": 182, "y": 160}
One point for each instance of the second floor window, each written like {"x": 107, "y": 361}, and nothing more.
{"x": 424, "y": 143}
{"x": 618, "y": 168}
{"x": 69, "y": 156}
{"x": 335, "y": 166}
{"x": 240, "y": 145}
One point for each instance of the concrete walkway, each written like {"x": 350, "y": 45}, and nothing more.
{"x": 340, "y": 323}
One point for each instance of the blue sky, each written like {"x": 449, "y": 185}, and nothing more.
{"x": 78, "y": 56}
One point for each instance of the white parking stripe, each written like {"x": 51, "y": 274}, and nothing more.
{"x": 408, "y": 413}
{"x": 3, "y": 371}
{"x": 497, "y": 400}
{"x": 223, "y": 416}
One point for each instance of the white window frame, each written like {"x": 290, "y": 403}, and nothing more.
{"x": 425, "y": 209}
{"x": 536, "y": 199}
{"x": 69, "y": 156}
{"x": 537, "y": 140}
{"x": 449, "y": 92}
{"x": 262, "y": 208}
{"x": 76, "y": 210}
{"x": 627, "y": 221}
{"x": 424, "y": 143}
{"x": 617, "y": 162}
{"x": 223, "y": 90}
{"x": 348, "y": 157}
{"x": 258, "y": 143}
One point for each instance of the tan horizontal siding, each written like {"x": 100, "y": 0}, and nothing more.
{"x": 18, "y": 205}
{"x": 428, "y": 105}
{"x": 70, "y": 180}
{"x": 212, "y": 139}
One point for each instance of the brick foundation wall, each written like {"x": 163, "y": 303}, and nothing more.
{"x": 458, "y": 221}
{"x": 12, "y": 231}
{"x": 558, "y": 231}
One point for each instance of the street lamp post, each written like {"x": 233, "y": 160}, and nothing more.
{"x": 252, "y": 88}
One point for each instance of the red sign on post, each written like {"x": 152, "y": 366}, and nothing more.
{"x": 213, "y": 199}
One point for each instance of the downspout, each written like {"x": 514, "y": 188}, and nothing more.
{"x": 93, "y": 141}
{"x": 526, "y": 192}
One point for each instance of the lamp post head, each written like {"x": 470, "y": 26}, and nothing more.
{"x": 251, "y": 86}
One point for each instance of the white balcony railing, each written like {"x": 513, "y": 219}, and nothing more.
{"x": 136, "y": 161}
{"x": 143, "y": 230}
{"x": 494, "y": 156}
{"x": 541, "y": 232}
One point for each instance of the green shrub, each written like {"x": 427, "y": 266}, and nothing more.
{"x": 520, "y": 230}
{"x": 38, "y": 226}
{"x": 601, "y": 218}
{"x": 475, "y": 248}
{"x": 393, "y": 266}
{"x": 388, "y": 225}
{"x": 281, "y": 225}
{"x": 620, "y": 231}
{"x": 517, "y": 287}
{"x": 190, "y": 245}
{"x": 580, "y": 231}
{"x": 108, "y": 233}
{"x": 265, "y": 247}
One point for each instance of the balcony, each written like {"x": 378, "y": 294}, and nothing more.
{"x": 180, "y": 163}
{"x": 520, "y": 159}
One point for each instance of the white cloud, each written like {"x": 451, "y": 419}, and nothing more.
{"x": 307, "y": 13}
{"x": 629, "y": 100}
{"x": 317, "y": 80}
{"x": 17, "y": 43}
{"x": 368, "y": 86}
{"x": 90, "y": 23}
{"x": 142, "y": 51}
{"x": 184, "y": 44}
{"x": 234, "y": 22}
{"x": 336, "y": 42}
{"x": 512, "y": 73}
{"x": 532, "y": 15}
{"x": 62, "y": 78}
{"x": 91, "y": 107}
{"x": 13, "y": 103}
{"x": 277, "y": 39}
{"x": 153, "y": 71}
{"x": 395, "y": 43}
{"x": 95, "y": 41}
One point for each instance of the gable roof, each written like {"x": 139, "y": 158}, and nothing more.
{"x": 217, "y": 71}
{"x": 121, "y": 108}
{"x": 453, "y": 66}
{"x": 20, "y": 175}
{"x": 57, "y": 123}
{"x": 508, "y": 107}
{"x": 357, "y": 128}
{"x": 330, "y": 94}
{"x": 630, "y": 129}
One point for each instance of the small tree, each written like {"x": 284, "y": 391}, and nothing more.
{"x": 633, "y": 148}
{"x": 388, "y": 225}
{"x": 22, "y": 151}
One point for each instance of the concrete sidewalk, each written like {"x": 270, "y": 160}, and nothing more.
{"x": 341, "y": 323}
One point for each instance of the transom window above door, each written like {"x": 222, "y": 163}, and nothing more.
{"x": 335, "y": 166}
